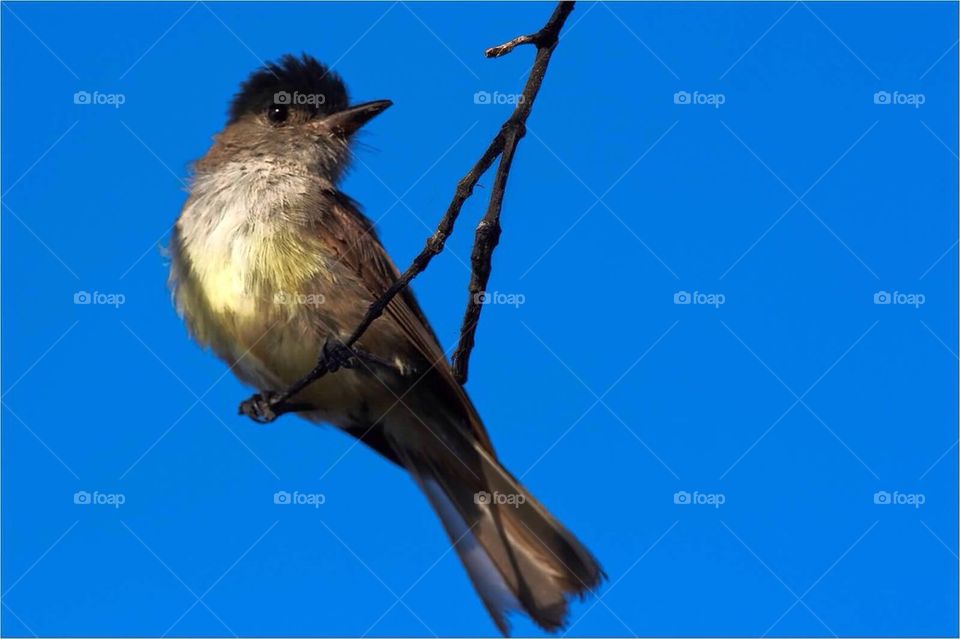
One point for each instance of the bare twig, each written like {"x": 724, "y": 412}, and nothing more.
{"x": 507, "y": 47}
{"x": 267, "y": 407}
{"x": 488, "y": 231}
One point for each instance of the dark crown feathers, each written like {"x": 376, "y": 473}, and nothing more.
{"x": 291, "y": 75}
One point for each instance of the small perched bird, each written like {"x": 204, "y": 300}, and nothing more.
{"x": 270, "y": 262}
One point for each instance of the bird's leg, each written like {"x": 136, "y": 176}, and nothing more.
{"x": 336, "y": 355}
{"x": 348, "y": 356}
{"x": 265, "y": 406}
{"x": 258, "y": 407}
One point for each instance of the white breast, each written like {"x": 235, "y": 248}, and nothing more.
{"x": 237, "y": 239}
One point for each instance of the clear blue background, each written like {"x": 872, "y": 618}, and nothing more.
{"x": 602, "y": 393}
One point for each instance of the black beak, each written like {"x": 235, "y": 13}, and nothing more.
{"x": 348, "y": 121}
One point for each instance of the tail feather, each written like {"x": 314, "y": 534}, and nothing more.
{"x": 517, "y": 555}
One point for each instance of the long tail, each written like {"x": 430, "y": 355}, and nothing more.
{"x": 517, "y": 555}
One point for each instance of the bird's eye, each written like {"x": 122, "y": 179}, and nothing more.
{"x": 277, "y": 113}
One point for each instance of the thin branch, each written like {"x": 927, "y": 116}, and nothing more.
{"x": 507, "y": 47}
{"x": 488, "y": 231}
{"x": 486, "y": 238}
{"x": 267, "y": 407}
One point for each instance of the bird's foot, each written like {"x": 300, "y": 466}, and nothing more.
{"x": 260, "y": 407}
{"x": 267, "y": 406}
{"x": 337, "y": 355}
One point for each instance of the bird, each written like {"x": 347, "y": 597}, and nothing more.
{"x": 270, "y": 263}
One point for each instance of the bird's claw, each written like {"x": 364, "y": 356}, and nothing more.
{"x": 259, "y": 407}
{"x": 266, "y": 406}
{"x": 337, "y": 355}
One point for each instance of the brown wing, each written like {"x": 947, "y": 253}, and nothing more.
{"x": 352, "y": 237}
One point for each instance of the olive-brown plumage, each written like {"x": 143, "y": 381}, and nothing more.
{"x": 270, "y": 260}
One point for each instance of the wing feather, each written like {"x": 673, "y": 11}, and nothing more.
{"x": 354, "y": 242}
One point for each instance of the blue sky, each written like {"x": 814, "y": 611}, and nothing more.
{"x": 778, "y": 456}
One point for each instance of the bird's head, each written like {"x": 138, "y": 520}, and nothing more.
{"x": 294, "y": 112}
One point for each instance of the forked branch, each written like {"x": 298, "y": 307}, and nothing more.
{"x": 265, "y": 408}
